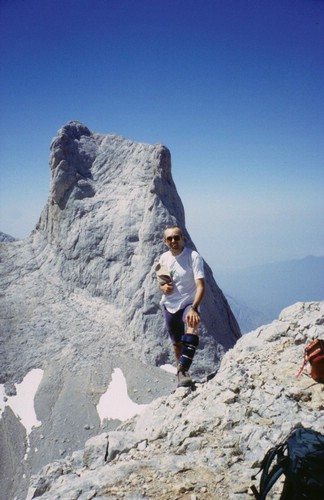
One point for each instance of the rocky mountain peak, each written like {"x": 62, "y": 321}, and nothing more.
{"x": 110, "y": 200}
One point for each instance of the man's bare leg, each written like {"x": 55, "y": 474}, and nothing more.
{"x": 177, "y": 350}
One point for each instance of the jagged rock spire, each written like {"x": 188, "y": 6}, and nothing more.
{"x": 110, "y": 200}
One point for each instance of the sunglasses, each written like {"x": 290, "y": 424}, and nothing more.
{"x": 175, "y": 238}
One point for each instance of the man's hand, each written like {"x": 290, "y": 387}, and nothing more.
{"x": 167, "y": 288}
{"x": 193, "y": 318}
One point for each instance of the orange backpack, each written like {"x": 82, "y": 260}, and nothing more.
{"x": 314, "y": 355}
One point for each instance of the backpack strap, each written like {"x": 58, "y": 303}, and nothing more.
{"x": 302, "y": 368}
{"x": 255, "y": 492}
{"x": 270, "y": 475}
{"x": 268, "y": 482}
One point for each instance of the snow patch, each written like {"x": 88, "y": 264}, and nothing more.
{"x": 115, "y": 403}
{"x": 169, "y": 368}
{"x": 22, "y": 404}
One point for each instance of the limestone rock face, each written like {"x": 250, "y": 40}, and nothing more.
{"x": 110, "y": 201}
{"x": 79, "y": 296}
{"x": 206, "y": 443}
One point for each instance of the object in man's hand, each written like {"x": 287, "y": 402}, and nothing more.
{"x": 162, "y": 274}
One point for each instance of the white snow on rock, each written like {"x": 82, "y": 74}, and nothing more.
{"x": 115, "y": 402}
{"x": 22, "y": 404}
{"x": 169, "y": 368}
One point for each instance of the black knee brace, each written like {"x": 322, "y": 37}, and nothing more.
{"x": 190, "y": 343}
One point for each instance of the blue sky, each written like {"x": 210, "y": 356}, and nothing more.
{"x": 234, "y": 88}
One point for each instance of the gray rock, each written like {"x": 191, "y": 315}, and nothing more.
{"x": 197, "y": 441}
{"x": 96, "y": 451}
{"x": 6, "y": 237}
{"x": 79, "y": 297}
{"x": 13, "y": 465}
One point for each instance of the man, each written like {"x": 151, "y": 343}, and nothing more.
{"x": 182, "y": 292}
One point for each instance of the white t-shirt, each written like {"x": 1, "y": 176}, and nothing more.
{"x": 184, "y": 269}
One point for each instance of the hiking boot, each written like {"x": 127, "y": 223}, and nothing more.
{"x": 183, "y": 377}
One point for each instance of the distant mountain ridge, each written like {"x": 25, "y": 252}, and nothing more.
{"x": 248, "y": 319}
{"x": 257, "y": 294}
{"x": 6, "y": 237}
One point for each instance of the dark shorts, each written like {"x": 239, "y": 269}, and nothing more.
{"x": 175, "y": 323}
